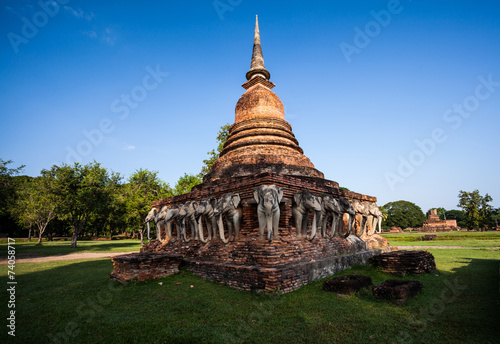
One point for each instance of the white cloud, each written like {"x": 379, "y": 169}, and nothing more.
{"x": 91, "y": 34}
{"x": 109, "y": 36}
{"x": 79, "y": 13}
{"x": 129, "y": 147}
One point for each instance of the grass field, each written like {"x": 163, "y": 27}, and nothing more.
{"x": 50, "y": 248}
{"x": 75, "y": 302}
{"x": 463, "y": 239}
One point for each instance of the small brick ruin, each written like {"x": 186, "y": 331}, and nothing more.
{"x": 397, "y": 290}
{"x": 261, "y": 152}
{"x": 144, "y": 266}
{"x": 435, "y": 224}
{"x": 347, "y": 284}
{"x": 402, "y": 263}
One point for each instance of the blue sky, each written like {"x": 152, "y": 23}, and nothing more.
{"x": 395, "y": 99}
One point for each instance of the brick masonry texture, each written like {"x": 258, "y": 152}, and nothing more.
{"x": 145, "y": 266}
{"x": 261, "y": 149}
{"x": 261, "y": 140}
{"x": 253, "y": 265}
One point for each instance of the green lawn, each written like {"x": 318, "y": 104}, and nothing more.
{"x": 463, "y": 239}
{"x": 50, "y": 248}
{"x": 75, "y": 302}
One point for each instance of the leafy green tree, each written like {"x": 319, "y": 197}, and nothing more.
{"x": 403, "y": 214}
{"x": 80, "y": 191}
{"x": 143, "y": 187}
{"x": 457, "y": 215}
{"x": 36, "y": 204}
{"x": 477, "y": 210}
{"x": 186, "y": 183}
{"x": 7, "y": 185}
{"x": 222, "y": 136}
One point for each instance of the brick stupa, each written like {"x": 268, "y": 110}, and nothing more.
{"x": 260, "y": 140}
{"x": 262, "y": 150}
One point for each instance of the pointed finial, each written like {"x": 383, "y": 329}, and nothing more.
{"x": 257, "y": 67}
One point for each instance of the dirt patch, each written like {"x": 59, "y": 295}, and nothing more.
{"x": 72, "y": 256}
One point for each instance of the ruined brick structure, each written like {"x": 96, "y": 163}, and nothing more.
{"x": 435, "y": 224}
{"x": 262, "y": 150}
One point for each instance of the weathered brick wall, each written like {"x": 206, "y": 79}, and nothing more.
{"x": 251, "y": 264}
{"x": 144, "y": 266}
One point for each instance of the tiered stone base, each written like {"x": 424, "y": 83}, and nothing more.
{"x": 286, "y": 264}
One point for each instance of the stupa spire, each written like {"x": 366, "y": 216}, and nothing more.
{"x": 257, "y": 67}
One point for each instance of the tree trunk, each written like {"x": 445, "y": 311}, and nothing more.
{"x": 29, "y": 235}
{"x": 40, "y": 238}
{"x": 74, "y": 239}
{"x": 142, "y": 237}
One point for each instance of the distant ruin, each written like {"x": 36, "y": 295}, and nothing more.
{"x": 435, "y": 224}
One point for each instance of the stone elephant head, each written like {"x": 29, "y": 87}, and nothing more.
{"x": 205, "y": 211}
{"x": 304, "y": 202}
{"x": 171, "y": 217}
{"x": 362, "y": 210}
{"x": 150, "y": 217}
{"x": 190, "y": 209}
{"x": 348, "y": 209}
{"x": 228, "y": 207}
{"x": 377, "y": 216}
{"x": 160, "y": 222}
{"x": 268, "y": 198}
{"x": 330, "y": 207}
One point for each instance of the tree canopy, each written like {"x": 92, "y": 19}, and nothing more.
{"x": 80, "y": 191}
{"x": 403, "y": 214}
{"x": 478, "y": 211}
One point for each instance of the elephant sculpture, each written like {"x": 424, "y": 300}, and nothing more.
{"x": 362, "y": 213}
{"x": 150, "y": 217}
{"x": 180, "y": 221}
{"x": 171, "y": 217}
{"x": 268, "y": 199}
{"x": 205, "y": 211}
{"x": 158, "y": 218}
{"x": 347, "y": 208}
{"x": 228, "y": 206}
{"x": 330, "y": 207}
{"x": 190, "y": 209}
{"x": 305, "y": 202}
{"x": 377, "y": 215}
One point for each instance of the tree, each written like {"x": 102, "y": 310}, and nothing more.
{"x": 222, "y": 136}
{"x": 143, "y": 188}
{"x": 457, "y": 215}
{"x": 477, "y": 210}
{"x": 9, "y": 182}
{"x": 404, "y": 214}
{"x": 186, "y": 183}
{"x": 80, "y": 190}
{"x": 36, "y": 204}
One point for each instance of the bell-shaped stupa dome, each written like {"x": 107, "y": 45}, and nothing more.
{"x": 260, "y": 140}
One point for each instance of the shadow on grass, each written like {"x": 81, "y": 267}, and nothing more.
{"x": 31, "y": 250}
{"x": 75, "y": 302}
